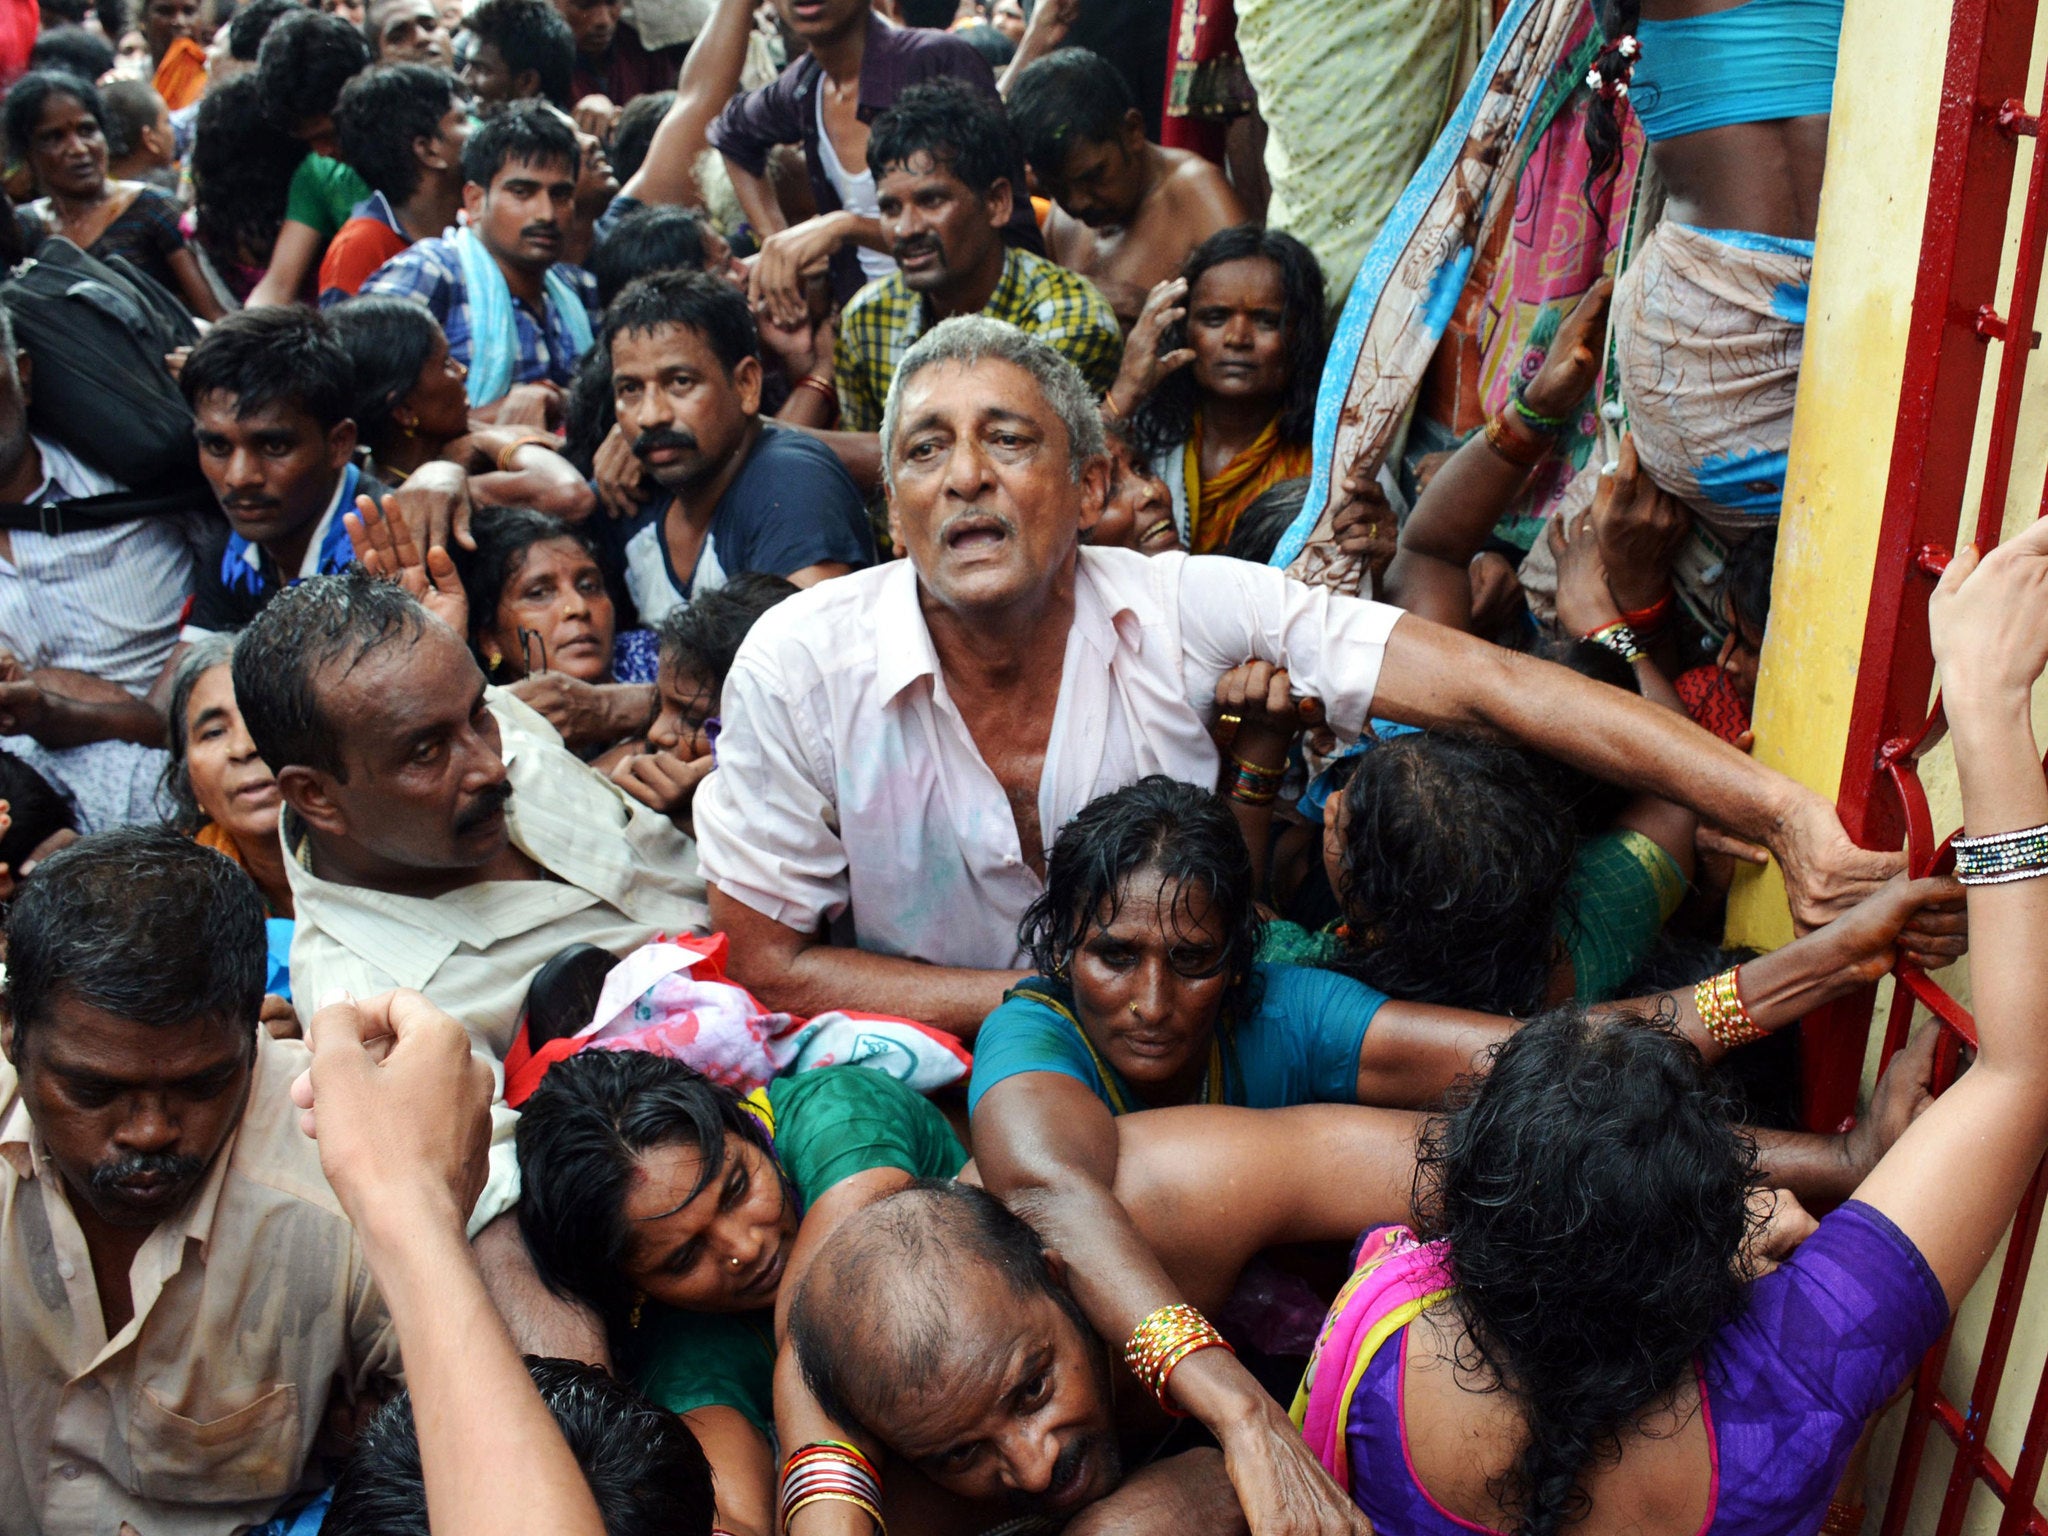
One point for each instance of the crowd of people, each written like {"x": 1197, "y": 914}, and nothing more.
{"x": 677, "y": 859}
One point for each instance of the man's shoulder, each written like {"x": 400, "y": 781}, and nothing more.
{"x": 270, "y": 1148}
{"x": 820, "y": 629}
{"x": 877, "y": 302}
{"x": 928, "y": 51}
{"x": 433, "y": 259}
{"x": 781, "y": 454}
{"x": 1045, "y": 278}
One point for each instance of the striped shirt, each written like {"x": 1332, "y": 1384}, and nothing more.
{"x": 103, "y": 601}
{"x": 1061, "y": 308}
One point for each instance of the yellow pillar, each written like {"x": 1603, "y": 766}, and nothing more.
{"x": 1873, "y": 199}
{"x": 1872, "y": 206}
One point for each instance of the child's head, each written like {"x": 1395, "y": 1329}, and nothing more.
{"x": 35, "y": 810}
{"x": 698, "y": 643}
{"x": 1746, "y": 608}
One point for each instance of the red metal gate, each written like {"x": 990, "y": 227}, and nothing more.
{"x": 1955, "y": 319}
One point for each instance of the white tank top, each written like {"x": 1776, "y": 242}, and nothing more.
{"x": 856, "y": 195}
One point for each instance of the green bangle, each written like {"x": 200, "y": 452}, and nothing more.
{"x": 1540, "y": 422}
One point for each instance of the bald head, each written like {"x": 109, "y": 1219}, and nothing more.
{"x": 937, "y": 1320}
{"x": 882, "y": 1306}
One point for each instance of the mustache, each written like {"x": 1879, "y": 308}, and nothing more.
{"x": 654, "y": 439}
{"x": 1069, "y": 1461}
{"x": 540, "y": 232}
{"x": 919, "y": 245}
{"x": 178, "y": 1168}
{"x": 488, "y": 803}
{"x": 250, "y": 504}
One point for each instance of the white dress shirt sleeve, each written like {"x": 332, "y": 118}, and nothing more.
{"x": 767, "y": 822}
{"x": 1232, "y": 611}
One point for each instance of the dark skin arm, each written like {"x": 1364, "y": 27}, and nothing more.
{"x": 61, "y": 708}
{"x": 801, "y": 973}
{"x": 711, "y": 74}
{"x": 742, "y": 1469}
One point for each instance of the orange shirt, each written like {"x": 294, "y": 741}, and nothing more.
{"x": 358, "y": 248}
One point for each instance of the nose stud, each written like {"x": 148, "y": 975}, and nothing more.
{"x": 735, "y": 1263}
{"x": 1134, "y": 1012}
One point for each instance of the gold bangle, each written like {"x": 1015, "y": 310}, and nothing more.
{"x": 529, "y": 440}
{"x": 1506, "y": 441}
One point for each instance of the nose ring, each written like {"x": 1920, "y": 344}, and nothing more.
{"x": 1134, "y": 1012}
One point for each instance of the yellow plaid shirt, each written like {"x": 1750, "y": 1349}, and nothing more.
{"x": 1061, "y": 308}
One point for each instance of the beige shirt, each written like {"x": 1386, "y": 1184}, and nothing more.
{"x": 251, "y": 1306}
{"x": 849, "y": 789}
{"x": 622, "y": 874}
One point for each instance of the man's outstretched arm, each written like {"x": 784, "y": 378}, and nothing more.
{"x": 1437, "y": 677}
{"x": 798, "y": 973}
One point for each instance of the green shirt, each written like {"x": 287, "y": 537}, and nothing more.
{"x": 829, "y": 1125}
{"x": 323, "y": 194}
{"x": 1622, "y": 891}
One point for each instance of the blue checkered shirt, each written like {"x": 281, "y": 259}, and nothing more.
{"x": 429, "y": 273}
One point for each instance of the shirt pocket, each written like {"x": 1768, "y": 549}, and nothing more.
{"x": 214, "y": 1457}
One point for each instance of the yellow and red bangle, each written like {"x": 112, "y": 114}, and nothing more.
{"x": 1723, "y": 1014}
{"x": 1510, "y": 443}
{"x": 1164, "y": 1339}
{"x": 831, "y": 1471}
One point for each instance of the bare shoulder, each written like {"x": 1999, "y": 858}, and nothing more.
{"x": 1198, "y": 187}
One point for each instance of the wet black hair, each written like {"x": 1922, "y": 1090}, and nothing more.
{"x": 72, "y": 49}
{"x": 644, "y": 242}
{"x": 35, "y": 810}
{"x": 920, "y": 1227}
{"x": 1167, "y": 416}
{"x": 645, "y": 1469}
{"x": 305, "y": 60}
{"x": 1071, "y": 96}
{"x": 589, "y": 412}
{"x": 503, "y": 536}
{"x": 1591, "y": 803}
{"x": 580, "y": 1138}
{"x": 525, "y": 133}
{"x": 1746, "y": 579}
{"x": 1268, "y": 515}
{"x": 962, "y": 129}
{"x": 242, "y": 171}
{"x": 635, "y": 132}
{"x": 298, "y": 633}
{"x": 708, "y": 305}
{"x": 1185, "y": 833}
{"x": 252, "y": 23}
{"x": 142, "y": 923}
{"x": 27, "y": 97}
{"x": 1456, "y": 859}
{"x": 701, "y": 637}
{"x": 281, "y": 354}
{"x": 388, "y": 342}
{"x": 1594, "y": 1192}
{"x": 530, "y": 34}
{"x": 382, "y": 112}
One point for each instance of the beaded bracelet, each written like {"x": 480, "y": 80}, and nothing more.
{"x": 1620, "y": 639}
{"x": 831, "y": 1471}
{"x": 1549, "y": 425}
{"x": 1501, "y": 438}
{"x": 1723, "y": 1013}
{"x": 1164, "y": 1339}
{"x": 2001, "y": 858}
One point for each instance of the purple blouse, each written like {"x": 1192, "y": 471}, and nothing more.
{"x": 1788, "y": 1386}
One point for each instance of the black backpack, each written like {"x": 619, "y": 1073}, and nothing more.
{"x": 97, "y": 329}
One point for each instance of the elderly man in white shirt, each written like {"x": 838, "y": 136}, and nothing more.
{"x": 439, "y": 837}
{"x": 900, "y": 745}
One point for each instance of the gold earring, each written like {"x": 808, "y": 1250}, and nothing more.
{"x": 633, "y": 1317}
{"x": 496, "y": 659}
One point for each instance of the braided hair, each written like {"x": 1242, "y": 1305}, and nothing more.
{"x": 1608, "y": 79}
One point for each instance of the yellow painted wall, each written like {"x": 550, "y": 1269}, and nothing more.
{"x": 1880, "y": 150}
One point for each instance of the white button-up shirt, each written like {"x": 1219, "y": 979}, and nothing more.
{"x": 849, "y": 789}
{"x": 251, "y": 1305}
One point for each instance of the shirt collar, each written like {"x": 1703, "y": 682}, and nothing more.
{"x": 903, "y": 645}
{"x": 323, "y": 532}
{"x": 1003, "y": 300}
{"x": 19, "y": 1143}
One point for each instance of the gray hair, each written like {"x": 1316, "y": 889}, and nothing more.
{"x": 200, "y": 658}
{"x": 970, "y": 339}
